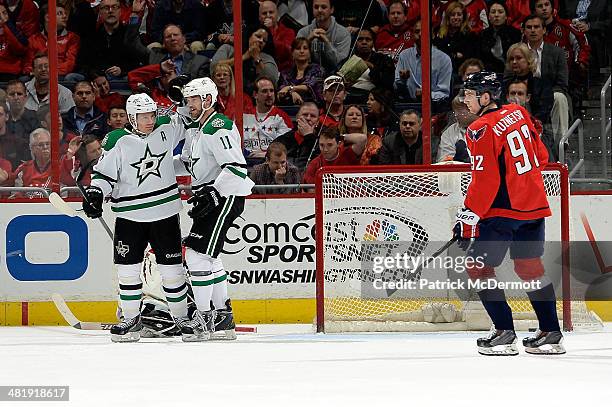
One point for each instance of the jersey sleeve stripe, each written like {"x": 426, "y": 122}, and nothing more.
{"x": 99, "y": 175}
{"x": 237, "y": 172}
{"x": 145, "y": 195}
{"x": 234, "y": 164}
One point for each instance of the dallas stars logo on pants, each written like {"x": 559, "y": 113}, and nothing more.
{"x": 122, "y": 249}
{"x": 148, "y": 165}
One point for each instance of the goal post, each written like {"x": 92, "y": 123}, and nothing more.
{"x": 365, "y": 210}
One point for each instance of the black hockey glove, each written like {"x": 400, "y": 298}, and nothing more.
{"x": 92, "y": 202}
{"x": 466, "y": 228}
{"x": 204, "y": 201}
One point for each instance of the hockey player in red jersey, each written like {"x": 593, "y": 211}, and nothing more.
{"x": 504, "y": 209}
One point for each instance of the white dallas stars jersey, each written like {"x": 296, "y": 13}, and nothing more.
{"x": 139, "y": 171}
{"x": 213, "y": 155}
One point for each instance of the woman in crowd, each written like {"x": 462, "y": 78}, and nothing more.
{"x": 380, "y": 117}
{"x": 454, "y": 37}
{"x": 303, "y": 82}
{"x": 223, "y": 76}
{"x": 257, "y": 57}
{"x": 497, "y": 39}
{"x": 353, "y": 121}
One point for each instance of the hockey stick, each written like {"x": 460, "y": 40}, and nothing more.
{"x": 73, "y": 321}
{"x": 434, "y": 255}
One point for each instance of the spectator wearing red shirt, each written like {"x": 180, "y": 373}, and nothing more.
{"x": 396, "y": 36}
{"x": 282, "y": 36}
{"x": 104, "y": 97}
{"x": 37, "y": 171}
{"x": 68, "y": 44}
{"x": 154, "y": 80}
{"x": 334, "y": 94}
{"x": 25, "y": 15}
{"x": 223, "y": 77}
{"x": 6, "y": 173}
{"x": 335, "y": 151}
{"x": 476, "y": 14}
{"x": 11, "y": 48}
{"x": 81, "y": 151}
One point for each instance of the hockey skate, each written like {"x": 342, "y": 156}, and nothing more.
{"x": 498, "y": 343}
{"x": 224, "y": 324}
{"x": 199, "y": 328}
{"x": 544, "y": 343}
{"x": 127, "y": 331}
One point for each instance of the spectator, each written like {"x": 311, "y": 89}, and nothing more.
{"x": 66, "y": 136}
{"x": 301, "y": 142}
{"x": 223, "y": 76}
{"x": 37, "y": 88}
{"x": 11, "y": 48}
{"x": 468, "y": 67}
{"x": 25, "y": 17}
{"x": 68, "y": 44}
{"x": 497, "y": 38}
{"x": 516, "y": 10}
{"x": 303, "y": 81}
{"x": 104, "y": 97}
{"x": 84, "y": 117}
{"x": 380, "y": 112}
{"x": 276, "y": 171}
{"x": 13, "y": 147}
{"x": 218, "y": 23}
{"x": 380, "y": 67}
{"x": 117, "y": 117}
{"x": 334, "y": 94}
{"x": 187, "y": 14}
{"x": 353, "y": 122}
{"x": 561, "y": 33}
{"x": 330, "y": 41}
{"x": 396, "y": 36}
{"x": 551, "y": 66}
{"x": 405, "y": 146}
{"x": 264, "y": 123}
{"x": 408, "y": 73}
{"x": 296, "y": 9}
{"x": 352, "y": 15}
{"x": 335, "y": 151}
{"x": 81, "y": 153}
{"x": 6, "y": 173}
{"x": 282, "y": 35}
{"x": 154, "y": 80}
{"x": 592, "y": 18}
{"x": 455, "y": 133}
{"x": 521, "y": 65}
{"x": 454, "y": 37}
{"x": 114, "y": 48}
{"x": 21, "y": 121}
{"x": 476, "y": 11}
{"x": 186, "y": 62}
{"x": 257, "y": 59}
{"x": 37, "y": 171}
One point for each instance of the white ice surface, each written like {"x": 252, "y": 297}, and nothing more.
{"x": 287, "y": 365}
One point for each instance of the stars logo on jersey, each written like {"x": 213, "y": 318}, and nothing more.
{"x": 148, "y": 165}
{"x": 192, "y": 162}
{"x": 475, "y": 135}
{"x": 217, "y": 123}
{"x": 122, "y": 249}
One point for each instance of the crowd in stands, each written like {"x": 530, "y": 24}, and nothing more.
{"x": 325, "y": 82}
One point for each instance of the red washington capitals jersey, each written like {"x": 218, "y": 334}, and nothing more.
{"x": 507, "y": 158}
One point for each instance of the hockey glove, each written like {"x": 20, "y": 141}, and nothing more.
{"x": 92, "y": 202}
{"x": 204, "y": 201}
{"x": 466, "y": 227}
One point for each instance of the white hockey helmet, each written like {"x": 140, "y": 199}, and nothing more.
{"x": 202, "y": 87}
{"x": 139, "y": 103}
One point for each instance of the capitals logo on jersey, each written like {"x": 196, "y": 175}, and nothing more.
{"x": 475, "y": 135}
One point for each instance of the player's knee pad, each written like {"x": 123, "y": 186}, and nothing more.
{"x": 198, "y": 262}
{"x": 529, "y": 269}
{"x": 172, "y": 275}
{"x": 129, "y": 274}
{"x": 480, "y": 272}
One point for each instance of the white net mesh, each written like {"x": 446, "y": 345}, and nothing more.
{"x": 409, "y": 211}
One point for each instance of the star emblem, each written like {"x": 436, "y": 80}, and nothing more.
{"x": 148, "y": 165}
{"x": 192, "y": 162}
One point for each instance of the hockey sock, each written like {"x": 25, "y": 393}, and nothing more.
{"x": 544, "y": 304}
{"x": 494, "y": 301}
{"x": 175, "y": 288}
{"x": 219, "y": 294}
{"x": 200, "y": 268}
{"x": 130, "y": 289}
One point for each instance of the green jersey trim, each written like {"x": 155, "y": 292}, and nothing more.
{"x": 237, "y": 172}
{"x": 215, "y": 123}
{"x": 111, "y": 138}
{"x": 161, "y": 120}
{"x": 146, "y": 204}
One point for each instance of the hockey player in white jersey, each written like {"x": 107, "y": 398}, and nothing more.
{"x": 214, "y": 157}
{"x": 137, "y": 171}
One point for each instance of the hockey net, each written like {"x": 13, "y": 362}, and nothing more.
{"x": 363, "y": 212}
